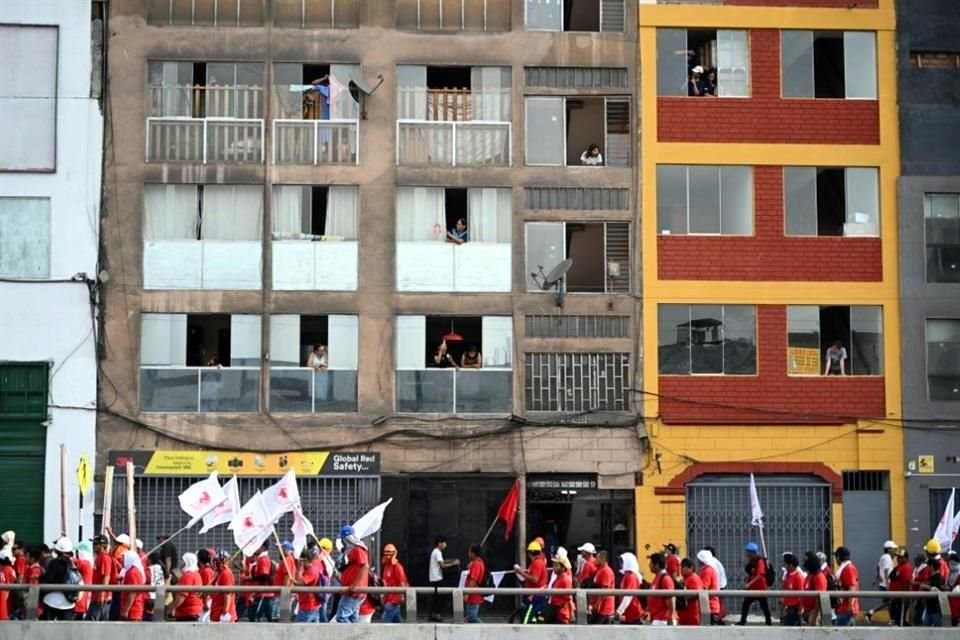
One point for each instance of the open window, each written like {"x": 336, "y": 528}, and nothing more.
{"x": 206, "y": 89}
{"x": 854, "y": 333}
{"x": 832, "y": 201}
{"x": 704, "y": 199}
{"x": 707, "y": 339}
{"x": 703, "y": 62}
{"x": 578, "y": 131}
{"x": 314, "y": 91}
{"x": 829, "y": 64}
{"x": 575, "y": 15}
{"x": 600, "y": 252}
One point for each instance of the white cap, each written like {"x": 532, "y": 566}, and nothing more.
{"x": 123, "y": 539}
{"x": 588, "y": 547}
{"x": 139, "y": 543}
{"x": 5, "y": 555}
{"x": 890, "y": 544}
{"x": 63, "y": 545}
{"x": 704, "y": 556}
{"x": 697, "y": 69}
{"x": 561, "y": 553}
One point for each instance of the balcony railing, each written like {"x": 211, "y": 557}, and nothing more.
{"x": 316, "y": 142}
{"x": 301, "y": 265}
{"x": 199, "y": 389}
{"x": 455, "y": 391}
{"x": 452, "y": 144}
{"x": 443, "y": 266}
{"x": 183, "y": 139}
{"x": 202, "y": 264}
{"x": 210, "y": 101}
{"x": 302, "y": 390}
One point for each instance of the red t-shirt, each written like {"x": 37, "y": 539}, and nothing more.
{"x": 394, "y": 576}
{"x": 673, "y": 565}
{"x": 357, "y": 557}
{"x": 657, "y": 605}
{"x": 309, "y": 601}
{"x": 20, "y": 566}
{"x": 793, "y": 582}
{"x": 634, "y": 610}
{"x": 207, "y": 575}
{"x": 7, "y": 576}
{"x": 286, "y": 566}
{"x": 476, "y": 570}
{"x": 261, "y": 571}
{"x": 603, "y": 579}
{"x": 538, "y": 573}
{"x": 955, "y": 602}
{"x": 367, "y": 607}
{"x": 134, "y": 600}
{"x": 102, "y": 570}
{"x": 901, "y": 576}
{"x": 191, "y": 606}
{"x": 224, "y": 579}
{"x": 711, "y": 582}
{"x": 33, "y": 573}
{"x": 849, "y": 580}
{"x": 562, "y": 605}
{"x": 587, "y": 571}
{"x": 758, "y": 570}
{"x": 815, "y": 582}
{"x": 86, "y": 573}
{"x": 690, "y": 615}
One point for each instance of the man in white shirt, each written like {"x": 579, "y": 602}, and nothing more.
{"x": 884, "y": 568}
{"x": 435, "y": 574}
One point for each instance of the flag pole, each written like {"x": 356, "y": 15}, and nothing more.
{"x": 63, "y": 489}
{"x": 131, "y": 506}
{"x": 193, "y": 522}
{"x": 107, "y": 498}
{"x": 763, "y": 545}
{"x": 489, "y": 531}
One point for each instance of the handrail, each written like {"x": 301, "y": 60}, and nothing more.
{"x": 204, "y": 124}
{"x": 454, "y": 126}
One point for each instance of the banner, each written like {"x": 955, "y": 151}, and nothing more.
{"x": 226, "y": 510}
{"x": 245, "y": 463}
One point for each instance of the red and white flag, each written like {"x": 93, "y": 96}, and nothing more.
{"x": 301, "y": 528}
{"x": 756, "y": 513}
{"x": 283, "y": 496}
{"x": 372, "y": 521}
{"x": 201, "y": 497}
{"x": 945, "y": 532}
{"x": 226, "y": 510}
{"x": 252, "y": 525}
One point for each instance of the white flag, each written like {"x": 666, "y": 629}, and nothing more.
{"x": 756, "y": 513}
{"x": 301, "y": 528}
{"x": 226, "y": 510}
{"x": 201, "y": 497}
{"x": 945, "y": 531}
{"x": 283, "y": 496}
{"x": 371, "y": 522}
{"x": 495, "y": 576}
{"x": 252, "y": 525}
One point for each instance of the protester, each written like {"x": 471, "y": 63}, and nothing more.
{"x": 84, "y": 563}
{"x": 848, "y": 579}
{"x": 793, "y": 581}
{"x": 660, "y": 609}
{"x": 207, "y": 576}
{"x": 131, "y": 602}
{"x": 670, "y": 552}
{"x": 282, "y": 577}
{"x": 7, "y": 576}
{"x": 586, "y": 565}
{"x": 437, "y": 562}
{"x": 260, "y": 572}
{"x": 562, "y": 605}
{"x": 534, "y": 577}
{"x": 476, "y": 574}
{"x": 953, "y": 584}
{"x": 815, "y": 582}
{"x": 710, "y": 581}
{"x": 601, "y": 607}
{"x": 688, "y": 608}
{"x": 58, "y": 605}
{"x": 354, "y": 575}
{"x": 223, "y": 605}
{"x": 630, "y": 610}
{"x": 187, "y": 605}
{"x": 394, "y": 575}
{"x": 885, "y": 566}
{"x": 756, "y": 569}
{"x": 900, "y": 580}
{"x": 102, "y": 575}
{"x": 308, "y": 602}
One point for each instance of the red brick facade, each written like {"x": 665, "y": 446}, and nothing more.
{"x": 765, "y": 117}
{"x": 769, "y": 254}
{"x": 817, "y": 4}
{"x": 771, "y": 396}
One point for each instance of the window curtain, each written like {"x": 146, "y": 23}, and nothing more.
{"x": 343, "y": 341}
{"x": 170, "y": 212}
{"x": 291, "y": 210}
{"x": 244, "y": 340}
{"x": 411, "y": 92}
{"x": 490, "y": 92}
{"x": 285, "y": 341}
{"x": 232, "y": 213}
{"x": 411, "y": 343}
{"x": 342, "y": 104}
{"x": 163, "y": 339}
{"x": 342, "y": 212}
{"x": 420, "y": 210}
{"x": 733, "y": 63}
{"x": 489, "y": 215}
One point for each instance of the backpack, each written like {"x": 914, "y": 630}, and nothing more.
{"x": 73, "y": 578}
{"x": 323, "y": 581}
{"x": 487, "y": 582}
{"x": 770, "y": 575}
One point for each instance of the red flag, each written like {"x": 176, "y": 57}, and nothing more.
{"x": 508, "y": 509}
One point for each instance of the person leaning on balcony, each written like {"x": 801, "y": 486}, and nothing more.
{"x": 318, "y": 357}
{"x": 592, "y": 156}
{"x": 442, "y": 357}
{"x": 836, "y": 360}
{"x": 458, "y": 235}
{"x": 471, "y": 358}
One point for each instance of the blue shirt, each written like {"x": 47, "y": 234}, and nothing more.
{"x": 459, "y": 235}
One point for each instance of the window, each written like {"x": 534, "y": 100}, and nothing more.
{"x": 453, "y": 15}
{"x": 28, "y": 97}
{"x": 577, "y": 382}
{"x": 316, "y": 14}
{"x": 575, "y": 15}
{"x": 943, "y": 359}
{"x": 832, "y": 201}
{"x": 703, "y": 62}
{"x": 705, "y": 199}
{"x": 24, "y": 237}
{"x": 206, "y": 13}
{"x": 707, "y": 339}
{"x": 560, "y": 131}
{"x": 202, "y": 236}
{"x": 199, "y": 363}
{"x": 576, "y": 198}
{"x": 571, "y": 326}
{"x": 600, "y": 252}
{"x": 941, "y": 213}
{"x": 459, "y": 364}
{"x": 313, "y": 363}
{"x": 829, "y": 64}
{"x": 811, "y": 331}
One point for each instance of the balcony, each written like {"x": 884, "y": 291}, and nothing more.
{"x": 199, "y": 389}
{"x": 201, "y": 264}
{"x": 314, "y": 266}
{"x": 304, "y": 390}
{"x": 441, "y": 266}
{"x": 315, "y": 141}
{"x": 451, "y": 144}
{"x": 455, "y": 391}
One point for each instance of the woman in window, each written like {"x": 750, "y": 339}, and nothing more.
{"x": 836, "y": 361}
{"x": 708, "y": 84}
{"x": 442, "y": 358}
{"x": 592, "y": 156}
{"x": 694, "y": 84}
{"x": 458, "y": 235}
{"x": 471, "y": 358}
{"x": 318, "y": 357}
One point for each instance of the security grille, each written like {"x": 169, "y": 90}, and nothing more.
{"x": 865, "y": 481}
{"x": 577, "y": 382}
{"x": 574, "y": 199}
{"x": 564, "y": 326}
{"x": 797, "y": 518}
{"x": 577, "y": 77}
{"x": 327, "y": 502}
{"x": 613, "y": 16}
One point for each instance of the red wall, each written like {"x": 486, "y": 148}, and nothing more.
{"x": 772, "y": 388}
{"x": 769, "y": 254}
{"x": 765, "y": 117}
{"x": 828, "y": 4}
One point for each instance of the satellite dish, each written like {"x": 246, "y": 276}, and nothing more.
{"x": 556, "y": 274}
{"x": 360, "y": 89}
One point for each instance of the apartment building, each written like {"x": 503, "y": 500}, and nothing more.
{"x": 291, "y": 183}
{"x": 929, "y": 192}
{"x": 775, "y": 235}
{"x": 50, "y": 168}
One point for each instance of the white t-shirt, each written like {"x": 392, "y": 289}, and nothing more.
{"x": 436, "y": 559}
{"x": 591, "y": 161}
{"x": 884, "y": 568}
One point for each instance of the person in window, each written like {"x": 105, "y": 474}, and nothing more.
{"x": 458, "y": 235}
{"x": 318, "y": 357}
{"x": 317, "y": 102}
{"x": 592, "y": 157}
{"x": 694, "y": 86}
{"x": 442, "y": 358}
{"x": 708, "y": 83}
{"x": 471, "y": 358}
{"x": 836, "y": 360}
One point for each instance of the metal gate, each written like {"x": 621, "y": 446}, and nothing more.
{"x": 797, "y": 518}
{"x": 328, "y": 502}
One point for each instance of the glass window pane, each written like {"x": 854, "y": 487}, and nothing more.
{"x": 736, "y": 200}
{"x": 491, "y": 93}
{"x": 544, "y": 15}
{"x": 411, "y": 342}
{"x": 163, "y": 339}
{"x": 733, "y": 63}
{"x": 545, "y": 249}
{"x": 797, "y": 64}
{"x": 24, "y": 237}
{"x": 704, "y": 199}
{"x": 673, "y": 322}
{"x": 497, "y": 338}
{"x": 739, "y": 339}
{"x": 671, "y": 62}
{"x": 803, "y": 340}
{"x": 863, "y": 203}
{"x": 942, "y": 219}
{"x": 866, "y": 328}
{"x": 800, "y": 184}
{"x": 28, "y": 86}
{"x": 860, "y": 64}
{"x": 672, "y": 198}
{"x": 342, "y": 104}
{"x": 343, "y": 342}
{"x": 544, "y": 131}
{"x": 285, "y": 341}
{"x": 943, "y": 359}
{"x": 232, "y": 213}
{"x": 706, "y": 338}
{"x": 244, "y": 341}
{"x": 411, "y": 91}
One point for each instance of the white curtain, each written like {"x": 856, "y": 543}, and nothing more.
{"x": 411, "y": 345}
{"x": 411, "y": 92}
{"x": 232, "y": 213}
{"x": 285, "y": 341}
{"x": 291, "y": 209}
{"x": 343, "y": 341}
{"x": 489, "y": 215}
{"x": 733, "y": 63}
{"x": 170, "y": 212}
{"x": 491, "y": 93}
{"x": 244, "y": 340}
{"x": 419, "y": 212}
{"x": 342, "y": 212}
{"x": 163, "y": 339}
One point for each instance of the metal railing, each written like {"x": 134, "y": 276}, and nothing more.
{"x": 199, "y": 389}
{"x": 211, "y": 101}
{"x": 580, "y": 596}
{"x": 452, "y": 144}
{"x": 316, "y": 141}
{"x": 454, "y": 390}
{"x": 188, "y": 139}
{"x": 305, "y": 390}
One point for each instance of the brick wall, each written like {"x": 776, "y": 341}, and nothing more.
{"x": 772, "y": 389}
{"x": 769, "y": 254}
{"x": 765, "y": 117}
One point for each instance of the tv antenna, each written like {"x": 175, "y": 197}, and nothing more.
{"x": 554, "y": 279}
